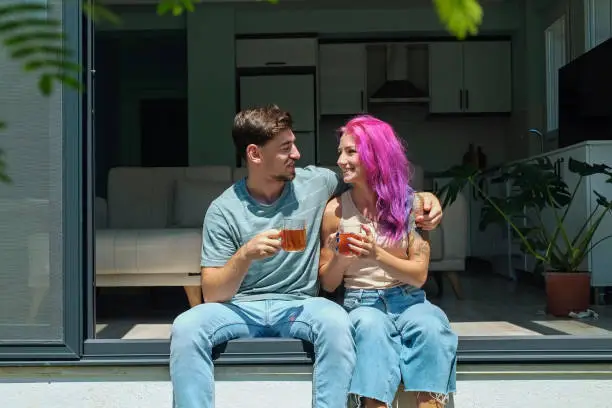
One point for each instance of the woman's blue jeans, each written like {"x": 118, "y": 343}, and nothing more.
{"x": 400, "y": 335}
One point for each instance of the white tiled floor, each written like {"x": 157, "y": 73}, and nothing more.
{"x": 492, "y": 306}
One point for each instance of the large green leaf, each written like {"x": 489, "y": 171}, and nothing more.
{"x": 460, "y": 177}
{"x": 460, "y": 17}
{"x": 586, "y": 169}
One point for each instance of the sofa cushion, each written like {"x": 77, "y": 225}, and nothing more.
{"x": 148, "y": 251}
{"x": 192, "y": 199}
{"x": 142, "y": 197}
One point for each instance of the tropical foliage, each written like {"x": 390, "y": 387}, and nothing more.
{"x": 535, "y": 188}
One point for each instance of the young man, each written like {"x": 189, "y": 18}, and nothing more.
{"x": 251, "y": 287}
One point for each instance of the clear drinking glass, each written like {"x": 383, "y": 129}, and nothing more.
{"x": 293, "y": 235}
{"x": 347, "y": 229}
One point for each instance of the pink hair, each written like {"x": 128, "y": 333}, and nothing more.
{"x": 383, "y": 155}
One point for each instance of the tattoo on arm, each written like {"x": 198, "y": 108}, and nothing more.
{"x": 420, "y": 247}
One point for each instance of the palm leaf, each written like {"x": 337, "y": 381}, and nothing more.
{"x": 4, "y": 178}
{"x": 38, "y": 43}
{"x": 99, "y": 14}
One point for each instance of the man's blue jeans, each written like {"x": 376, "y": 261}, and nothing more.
{"x": 317, "y": 320}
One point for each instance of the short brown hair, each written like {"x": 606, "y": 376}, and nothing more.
{"x": 258, "y": 126}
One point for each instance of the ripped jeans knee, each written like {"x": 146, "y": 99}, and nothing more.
{"x": 440, "y": 399}
{"x": 358, "y": 402}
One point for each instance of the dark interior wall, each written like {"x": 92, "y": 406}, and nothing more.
{"x": 127, "y": 63}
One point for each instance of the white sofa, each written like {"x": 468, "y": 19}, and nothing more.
{"x": 149, "y": 230}
{"x": 449, "y": 245}
{"x": 449, "y": 241}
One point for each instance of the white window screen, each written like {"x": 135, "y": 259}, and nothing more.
{"x": 31, "y": 207}
{"x": 598, "y": 22}
{"x": 556, "y": 57}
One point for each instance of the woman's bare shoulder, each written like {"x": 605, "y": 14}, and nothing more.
{"x": 334, "y": 207}
{"x": 331, "y": 216}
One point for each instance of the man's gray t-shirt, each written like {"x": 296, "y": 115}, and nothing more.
{"x": 235, "y": 217}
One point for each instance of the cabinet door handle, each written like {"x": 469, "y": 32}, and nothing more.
{"x": 467, "y": 99}
{"x": 276, "y": 63}
{"x": 460, "y": 99}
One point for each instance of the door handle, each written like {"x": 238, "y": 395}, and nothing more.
{"x": 460, "y": 99}
{"x": 467, "y": 100}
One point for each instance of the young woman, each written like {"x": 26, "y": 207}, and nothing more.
{"x": 399, "y": 335}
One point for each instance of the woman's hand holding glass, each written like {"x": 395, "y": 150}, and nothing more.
{"x": 363, "y": 245}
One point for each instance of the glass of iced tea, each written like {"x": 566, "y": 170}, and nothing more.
{"x": 293, "y": 235}
{"x": 347, "y": 229}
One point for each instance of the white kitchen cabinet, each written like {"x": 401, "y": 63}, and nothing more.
{"x": 276, "y": 52}
{"x": 487, "y": 76}
{"x": 470, "y": 77}
{"x": 342, "y": 79}
{"x": 445, "y": 77}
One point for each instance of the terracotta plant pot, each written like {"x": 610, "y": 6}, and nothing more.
{"x": 567, "y": 292}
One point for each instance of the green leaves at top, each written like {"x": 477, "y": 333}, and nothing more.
{"x": 99, "y": 14}
{"x": 176, "y": 7}
{"x": 460, "y": 17}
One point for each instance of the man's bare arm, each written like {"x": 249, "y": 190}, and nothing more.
{"x": 220, "y": 284}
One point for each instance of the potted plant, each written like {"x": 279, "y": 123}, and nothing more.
{"x": 535, "y": 188}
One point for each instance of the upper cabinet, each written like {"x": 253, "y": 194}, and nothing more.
{"x": 342, "y": 79}
{"x": 276, "y": 52}
{"x": 470, "y": 77}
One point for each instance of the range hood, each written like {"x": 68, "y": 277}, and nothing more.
{"x": 405, "y": 75}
